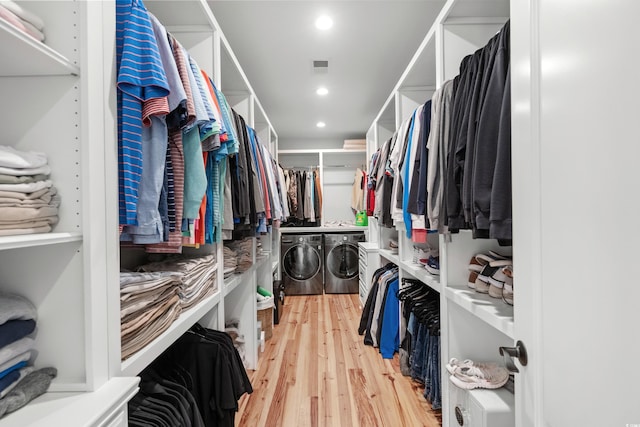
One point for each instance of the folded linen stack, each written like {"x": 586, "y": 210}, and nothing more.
{"x": 242, "y": 249}
{"x": 198, "y": 276}
{"x": 230, "y": 261}
{"x": 28, "y": 200}
{"x": 23, "y": 19}
{"x": 149, "y": 304}
{"x": 17, "y": 351}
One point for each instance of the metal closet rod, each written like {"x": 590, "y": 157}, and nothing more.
{"x": 303, "y": 167}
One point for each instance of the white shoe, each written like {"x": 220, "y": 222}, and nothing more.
{"x": 481, "y": 375}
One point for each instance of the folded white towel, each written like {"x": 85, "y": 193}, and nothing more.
{"x": 12, "y": 158}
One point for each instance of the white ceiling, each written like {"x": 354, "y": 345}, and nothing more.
{"x": 368, "y": 48}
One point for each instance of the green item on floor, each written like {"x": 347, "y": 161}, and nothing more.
{"x": 265, "y": 293}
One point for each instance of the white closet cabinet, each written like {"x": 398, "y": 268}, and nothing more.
{"x": 574, "y": 149}
{"x": 61, "y": 100}
{"x": 574, "y": 210}
{"x": 57, "y": 98}
{"x": 194, "y": 26}
{"x": 472, "y": 325}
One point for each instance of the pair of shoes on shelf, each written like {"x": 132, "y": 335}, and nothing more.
{"x": 469, "y": 374}
{"x": 433, "y": 265}
{"x": 419, "y": 254}
{"x": 498, "y": 280}
{"x": 393, "y": 246}
{"x": 482, "y": 269}
{"x": 507, "y": 289}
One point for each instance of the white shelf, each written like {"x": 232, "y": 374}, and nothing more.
{"x": 33, "y": 58}
{"x": 29, "y": 240}
{"x": 183, "y": 15}
{"x": 421, "y": 274}
{"x": 136, "y": 363}
{"x": 492, "y": 311}
{"x": 84, "y": 408}
{"x": 386, "y": 253}
{"x": 232, "y": 282}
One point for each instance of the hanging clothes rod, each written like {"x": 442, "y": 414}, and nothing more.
{"x": 302, "y": 167}
{"x": 326, "y": 167}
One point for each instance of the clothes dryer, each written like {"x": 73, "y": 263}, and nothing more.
{"x": 302, "y": 264}
{"x": 342, "y": 262}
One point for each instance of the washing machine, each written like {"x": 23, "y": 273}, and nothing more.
{"x": 341, "y": 262}
{"x": 302, "y": 263}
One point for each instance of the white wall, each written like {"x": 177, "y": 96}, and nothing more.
{"x": 308, "y": 144}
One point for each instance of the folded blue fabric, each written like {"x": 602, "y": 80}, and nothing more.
{"x": 13, "y": 330}
{"x": 13, "y": 368}
{"x": 9, "y": 379}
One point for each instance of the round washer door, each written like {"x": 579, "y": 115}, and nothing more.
{"x": 301, "y": 262}
{"x": 343, "y": 261}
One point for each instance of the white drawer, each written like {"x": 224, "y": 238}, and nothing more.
{"x": 363, "y": 272}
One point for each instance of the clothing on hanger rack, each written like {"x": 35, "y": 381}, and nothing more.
{"x": 420, "y": 348}
{"x": 180, "y": 147}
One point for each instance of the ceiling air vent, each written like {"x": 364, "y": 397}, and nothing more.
{"x": 320, "y": 66}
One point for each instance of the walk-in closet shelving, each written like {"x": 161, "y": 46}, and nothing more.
{"x": 35, "y": 59}
{"x": 136, "y": 363}
{"x": 463, "y": 31}
{"x": 59, "y": 105}
{"x": 192, "y": 23}
{"x": 473, "y": 325}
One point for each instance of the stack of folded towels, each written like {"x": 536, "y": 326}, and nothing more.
{"x": 230, "y": 261}
{"x": 242, "y": 250}
{"x": 198, "y": 276}
{"x": 28, "y": 200}
{"x": 20, "y": 382}
{"x": 23, "y": 19}
{"x": 155, "y": 295}
{"x": 149, "y": 304}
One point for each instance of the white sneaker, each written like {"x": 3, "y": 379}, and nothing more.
{"x": 481, "y": 375}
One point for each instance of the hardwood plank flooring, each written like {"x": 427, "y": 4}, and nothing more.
{"x": 316, "y": 371}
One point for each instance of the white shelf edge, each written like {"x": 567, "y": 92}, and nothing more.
{"x": 84, "y": 408}
{"x": 421, "y": 274}
{"x": 66, "y": 67}
{"x": 386, "y": 253}
{"x": 233, "y": 282}
{"x": 492, "y": 311}
{"x": 136, "y": 363}
{"x": 29, "y": 240}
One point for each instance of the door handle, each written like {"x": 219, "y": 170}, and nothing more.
{"x": 509, "y": 353}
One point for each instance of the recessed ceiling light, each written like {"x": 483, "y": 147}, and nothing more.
{"x": 322, "y": 91}
{"x": 321, "y": 124}
{"x": 324, "y": 22}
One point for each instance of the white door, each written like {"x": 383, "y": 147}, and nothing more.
{"x": 576, "y": 169}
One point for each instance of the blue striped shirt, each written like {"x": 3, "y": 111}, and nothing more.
{"x": 140, "y": 78}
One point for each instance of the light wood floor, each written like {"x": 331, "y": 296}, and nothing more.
{"x": 316, "y": 371}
